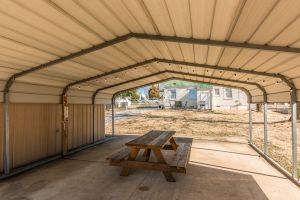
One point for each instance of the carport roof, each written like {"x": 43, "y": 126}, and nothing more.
{"x": 113, "y": 44}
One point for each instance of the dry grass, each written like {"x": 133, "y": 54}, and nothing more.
{"x": 218, "y": 125}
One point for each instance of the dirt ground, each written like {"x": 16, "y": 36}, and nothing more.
{"x": 229, "y": 125}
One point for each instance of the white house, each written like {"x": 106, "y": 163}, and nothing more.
{"x": 202, "y": 96}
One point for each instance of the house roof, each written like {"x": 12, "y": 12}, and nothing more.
{"x": 55, "y": 47}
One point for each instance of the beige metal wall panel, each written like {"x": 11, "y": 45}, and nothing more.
{"x": 257, "y": 99}
{"x": 292, "y": 73}
{"x": 103, "y": 101}
{"x": 298, "y": 95}
{"x": 36, "y": 78}
{"x": 137, "y": 10}
{"x": 224, "y": 15}
{"x": 161, "y": 17}
{"x": 136, "y": 56}
{"x": 228, "y": 56}
{"x": 99, "y": 10}
{"x": 5, "y": 73}
{"x": 73, "y": 69}
{"x": 80, "y": 131}
{"x": 99, "y": 123}
{"x": 179, "y": 12}
{"x": 256, "y": 92}
{"x": 25, "y": 49}
{"x": 253, "y": 14}
{"x": 202, "y": 17}
{"x": 123, "y": 13}
{"x": 1, "y": 136}
{"x": 79, "y": 93}
{"x": 200, "y": 53}
{"x": 56, "y": 16}
{"x": 19, "y": 87}
{"x": 163, "y": 49}
{"x": 175, "y": 50}
{"x": 35, "y": 132}
{"x": 138, "y": 47}
{"x": 149, "y": 44}
{"x": 2, "y": 85}
{"x": 279, "y": 97}
{"x": 75, "y": 10}
{"x": 243, "y": 57}
{"x": 80, "y": 100}
{"x": 213, "y": 55}
{"x": 11, "y": 29}
{"x": 188, "y": 52}
{"x": 275, "y": 61}
{"x": 283, "y": 14}
{"x": 274, "y": 88}
{"x": 286, "y": 65}
{"x": 259, "y": 59}
{"x": 289, "y": 35}
{"x": 33, "y": 98}
{"x": 296, "y": 81}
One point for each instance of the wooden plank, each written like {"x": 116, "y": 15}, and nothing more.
{"x": 152, "y": 139}
{"x": 119, "y": 155}
{"x": 181, "y": 156}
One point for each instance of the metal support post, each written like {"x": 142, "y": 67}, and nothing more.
{"x": 250, "y": 123}
{"x": 6, "y": 157}
{"x": 294, "y": 134}
{"x": 65, "y": 125}
{"x": 113, "y": 115}
{"x": 266, "y": 128}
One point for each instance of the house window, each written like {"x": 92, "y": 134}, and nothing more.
{"x": 192, "y": 94}
{"x": 217, "y": 92}
{"x": 228, "y": 93}
{"x": 173, "y": 94}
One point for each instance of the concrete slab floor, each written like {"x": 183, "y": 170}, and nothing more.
{"x": 217, "y": 170}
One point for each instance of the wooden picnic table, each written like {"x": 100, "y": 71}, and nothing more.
{"x": 156, "y": 142}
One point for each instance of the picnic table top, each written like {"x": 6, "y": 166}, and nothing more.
{"x": 152, "y": 139}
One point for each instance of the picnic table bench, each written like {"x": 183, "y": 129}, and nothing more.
{"x": 156, "y": 142}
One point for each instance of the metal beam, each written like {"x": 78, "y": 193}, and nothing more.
{"x": 216, "y": 43}
{"x": 67, "y": 87}
{"x": 185, "y": 79}
{"x": 202, "y": 66}
{"x": 181, "y": 73}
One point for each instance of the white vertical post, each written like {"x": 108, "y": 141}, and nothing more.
{"x": 294, "y": 137}
{"x": 113, "y": 115}
{"x": 250, "y": 124}
{"x": 6, "y": 157}
{"x": 265, "y": 128}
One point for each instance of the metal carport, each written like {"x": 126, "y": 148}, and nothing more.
{"x": 75, "y": 55}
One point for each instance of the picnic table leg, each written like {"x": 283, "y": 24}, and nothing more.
{"x": 173, "y": 144}
{"x": 168, "y": 175}
{"x": 134, "y": 152}
{"x": 147, "y": 154}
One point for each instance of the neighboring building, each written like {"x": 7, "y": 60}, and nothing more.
{"x": 202, "y": 96}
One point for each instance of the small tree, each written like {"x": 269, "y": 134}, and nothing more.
{"x": 132, "y": 94}
{"x": 153, "y": 92}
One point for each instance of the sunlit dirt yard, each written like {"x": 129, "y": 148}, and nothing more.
{"x": 225, "y": 125}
